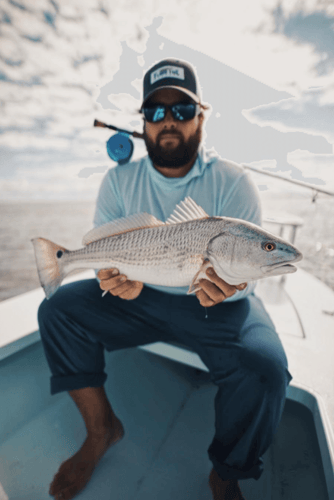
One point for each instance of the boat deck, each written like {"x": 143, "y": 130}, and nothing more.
{"x": 168, "y": 415}
{"x": 167, "y": 409}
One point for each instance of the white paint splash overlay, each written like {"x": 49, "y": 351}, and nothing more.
{"x": 277, "y": 43}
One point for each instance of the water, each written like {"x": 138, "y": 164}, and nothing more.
{"x": 61, "y": 222}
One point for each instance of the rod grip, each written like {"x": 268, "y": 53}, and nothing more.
{"x": 99, "y": 124}
{"x": 138, "y": 135}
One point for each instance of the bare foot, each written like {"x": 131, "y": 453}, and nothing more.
{"x": 224, "y": 490}
{"x": 74, "y": 473}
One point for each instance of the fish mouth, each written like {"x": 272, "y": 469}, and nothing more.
{"x": 283, "y": 267}
{"x": 291, "y": 266}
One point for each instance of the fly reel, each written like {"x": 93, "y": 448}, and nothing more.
{"x": 119, "y": 146}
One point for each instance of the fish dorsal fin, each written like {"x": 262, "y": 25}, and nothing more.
{"x": 186, "y": 211}
{"x": 122, "y": 225}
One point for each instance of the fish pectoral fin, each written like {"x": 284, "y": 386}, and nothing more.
{"x": 186, "y": 211}
{"x": 122, "y": 225}
{"x": 201, "y": 273}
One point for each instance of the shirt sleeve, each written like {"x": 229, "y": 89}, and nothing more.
{"x": 109, "y": 205}
{"x": 243, "y": 202}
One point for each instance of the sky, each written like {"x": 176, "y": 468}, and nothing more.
{"x": 265, "y": 67}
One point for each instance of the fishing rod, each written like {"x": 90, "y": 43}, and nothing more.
{"x": 120, "y": 149}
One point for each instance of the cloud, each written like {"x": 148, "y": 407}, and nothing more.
{"x": 311, "y": 112}
{"x": 310, "y": 24}
{"x": 86, "y": 61}
{"x": 62, "y": 182}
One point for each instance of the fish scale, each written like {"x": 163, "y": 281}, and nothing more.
{"x": 167, "y": 248}
{"x": 172, "y": 254}
{"x": 152, "y": 246}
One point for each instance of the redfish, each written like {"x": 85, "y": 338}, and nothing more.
{"x": 173, "y": 253}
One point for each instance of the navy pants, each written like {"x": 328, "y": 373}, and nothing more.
{"x": 237, "y": 342}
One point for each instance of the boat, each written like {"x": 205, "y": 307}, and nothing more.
{"x": 164, "y": 396}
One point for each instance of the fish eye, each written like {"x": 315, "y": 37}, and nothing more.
{"x": 269, "y": 247}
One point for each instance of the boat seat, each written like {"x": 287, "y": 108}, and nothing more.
{"x": 285, "y": 222}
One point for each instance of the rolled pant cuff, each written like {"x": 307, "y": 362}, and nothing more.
{"x": 226, "y": 472}
{"x": 78, "y": 381}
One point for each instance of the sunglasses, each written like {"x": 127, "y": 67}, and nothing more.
{"x": 182, "y": 112}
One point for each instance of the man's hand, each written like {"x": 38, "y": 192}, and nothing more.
{"x": 118, "y": 284}
{"x": 214, "y": 293}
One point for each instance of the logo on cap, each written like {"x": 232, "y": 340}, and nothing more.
{"x": 167, "y": 72}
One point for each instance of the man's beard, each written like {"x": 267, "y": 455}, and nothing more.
{"x": 176, "y": 157}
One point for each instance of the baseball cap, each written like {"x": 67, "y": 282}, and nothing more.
{"x": 173, "y": 74}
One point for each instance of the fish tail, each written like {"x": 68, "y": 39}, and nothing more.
{"x": 51, "y": 264}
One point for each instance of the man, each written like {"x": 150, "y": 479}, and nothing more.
{"x": 238, "y": 342}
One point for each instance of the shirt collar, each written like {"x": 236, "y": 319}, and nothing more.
{"x": 174, "y": 182}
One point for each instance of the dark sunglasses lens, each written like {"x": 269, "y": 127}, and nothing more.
{"x": 184, "y": 111}
{"x": 154, "y": 113}
{"x": 181, "y": 112}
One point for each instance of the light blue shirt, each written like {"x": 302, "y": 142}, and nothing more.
{"x": 221, "y": 187}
